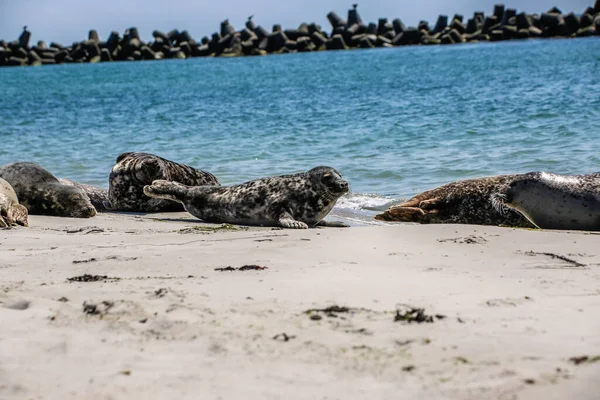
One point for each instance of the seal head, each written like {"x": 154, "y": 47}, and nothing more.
{"x": 553, "y": 201}
{"x": 42, "y": 193}
{"x": 98, "y": 196}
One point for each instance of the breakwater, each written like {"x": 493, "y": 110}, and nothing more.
{"x": 253, "y": 40}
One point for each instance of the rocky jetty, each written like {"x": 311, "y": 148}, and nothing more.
{"x": 254, "y": 40}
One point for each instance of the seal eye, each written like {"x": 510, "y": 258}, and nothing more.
{"x": 327, "y": 178}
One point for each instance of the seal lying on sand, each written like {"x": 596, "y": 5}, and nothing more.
{"x": 463, "y": 202}
{"x": 43, "y": 194}
{"x": 11, "y": 212}
{"x": 98, "y": 196}
{"x": 552, "y": 201}
{"x": 135, "y": 170}
{"x": 290, "y": 201}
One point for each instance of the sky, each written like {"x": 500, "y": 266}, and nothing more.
{"x": 68, "y": 21}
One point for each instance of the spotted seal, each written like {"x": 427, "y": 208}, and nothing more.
{"x": 11, "y": 212}
{"x": 289, "y": 201}
{"x": 133, "y": 171}
{"x": 97, "y": 195}
{"x": 467, "y": 201}
{"x": 553, "y": 201}
{"x": 42, "y": 193}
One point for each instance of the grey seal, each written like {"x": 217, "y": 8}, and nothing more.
{"x": 42, "y": 193}
{"x": 289, "y": 201}
{"x": 98, "y": 196}
{"x": 468, "y": 201}
{"x": 554, "y": 201}
{"x": 133, "y": 171}
{"x": 11, "y": 212}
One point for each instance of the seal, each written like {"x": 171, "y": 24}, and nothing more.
{"x": 133, "y": 171}
{"x": 11, "y": 212}
{"x": 42, "y": 193}
{"x": 98, "y": 196}
{"x": 554, "y": 201}
{"x": 290, "y": 201}
{"x": 467, "y": 201}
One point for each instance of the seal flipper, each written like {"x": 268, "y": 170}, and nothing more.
{"x": 432, "y": 204}
{"x": 162, "y": 189}
{"x": 287, "y": 221}
{"x": 18, "y": 214}
{"x": 404, "y": 214}
{"x": 332, "y": 224}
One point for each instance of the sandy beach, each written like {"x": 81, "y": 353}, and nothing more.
{"x": 508, "y": 313}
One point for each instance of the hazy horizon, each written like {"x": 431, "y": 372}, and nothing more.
{"x": 67, "y": 21}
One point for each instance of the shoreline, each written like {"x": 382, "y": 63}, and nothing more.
{"x": 509, "y": 319}
{"x": 254, "y": 40}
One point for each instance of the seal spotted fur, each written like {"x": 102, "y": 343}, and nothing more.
{"x": 462, "y": 202}
{"x": 11, "y": 212}
{"x": 133, "y": 171}
{"x": 97, "y": 195}
{"x": 42, "y": 193}
{"x": 290, "y": 201}
{"x": 553, "y": 201}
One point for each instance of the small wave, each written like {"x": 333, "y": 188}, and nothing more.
{"x": 364, "y": 201}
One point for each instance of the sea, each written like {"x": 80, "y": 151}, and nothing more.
{"x": 394, "y": 121}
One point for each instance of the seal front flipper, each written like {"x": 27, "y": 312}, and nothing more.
{"x": 287, "y": 221}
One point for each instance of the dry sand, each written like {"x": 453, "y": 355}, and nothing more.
{"x": 169, "y": 326}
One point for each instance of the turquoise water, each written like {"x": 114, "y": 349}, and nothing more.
{"x": 394, "y": 122}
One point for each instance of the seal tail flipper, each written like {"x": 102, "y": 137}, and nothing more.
{"x": 333, "y": 224}
{"x": 162, "y": 189}
{"x": 403, "y": 214}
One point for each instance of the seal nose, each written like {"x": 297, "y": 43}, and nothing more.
{"x": 344, "y": 185}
